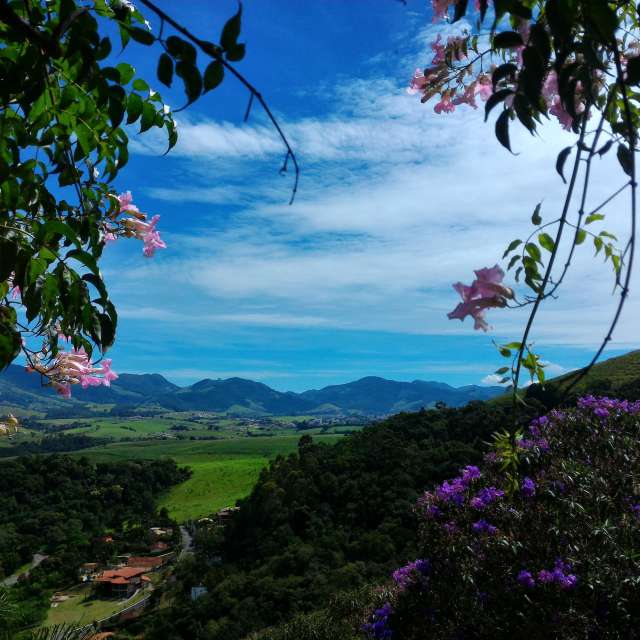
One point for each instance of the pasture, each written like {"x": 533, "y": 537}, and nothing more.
{"x": 223, "y": 470}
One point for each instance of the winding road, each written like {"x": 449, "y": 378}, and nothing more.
{"x": 187, "y": 543}
{"x": 12, "y": 579}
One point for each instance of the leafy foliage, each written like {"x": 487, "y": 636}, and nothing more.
{"x": 553, "y": 554}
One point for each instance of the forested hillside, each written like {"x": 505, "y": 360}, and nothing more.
{"x": 326, "y": 520}
{"x": 333, "y": 519}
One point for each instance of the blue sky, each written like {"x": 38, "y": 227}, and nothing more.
{"x": 395, "y": 204}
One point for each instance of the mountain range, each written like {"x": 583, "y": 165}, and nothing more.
{"x": 371, "y": 396}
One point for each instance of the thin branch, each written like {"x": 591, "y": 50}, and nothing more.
{"x": 216, "y": 54}
{"x": 547, "y": 275}
{"x": 631, "y": 135}
{"x": 585, "y": 189}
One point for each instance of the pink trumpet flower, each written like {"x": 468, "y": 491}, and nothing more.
{"x": 485, "y": 292}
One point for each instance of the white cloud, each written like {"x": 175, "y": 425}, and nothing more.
{"x": 395, "y": 204}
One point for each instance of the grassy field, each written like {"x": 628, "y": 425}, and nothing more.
{"x": 223, "y": 470}
{"x": 79, "y": 611}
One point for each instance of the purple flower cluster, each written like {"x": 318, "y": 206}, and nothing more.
{"x": 485, "y": 497}
{"x": 532, "y": 443}
{"x": 603, "y": 406}
{"x": 559, "y": 575}
{"x": 379, "y": 625}
{"x": 482, "y": 526}
{"x": 526, "y": 579}
{"x": 412, "y": 574}
{"x": 528, "y": 488}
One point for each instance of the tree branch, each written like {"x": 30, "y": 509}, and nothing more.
{"x": 215, "y": 52}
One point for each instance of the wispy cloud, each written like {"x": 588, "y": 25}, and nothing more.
{"x": 395, "y": 204}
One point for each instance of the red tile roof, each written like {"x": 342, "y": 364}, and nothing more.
{"x": 125, "y": 573}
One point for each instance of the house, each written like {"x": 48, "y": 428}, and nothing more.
{"x": 159, "y": 547}
{"x": 87, "y": 569}
{"x": 225, "y": 514}
{"x": 122, "y": 582}
{"x": 148, "y": 563}
{"x": 159, "y": 532}
{"x": 104, "y": 539}
{"x": 197, "y": 592}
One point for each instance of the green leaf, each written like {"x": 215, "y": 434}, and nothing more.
{"x": 148, "y": 117}
{"x": 231, "y": 31}
{"x": 134, "y": 107}
{"x": 117, "y": 102}
{"x": 593, "y": 218}
{"x": 502, "y": 370}
{"x": 143, "y": 36}
{"x": 213, "y": 75}
{"x": 140, "y": 85}
{"x": 507, "y": 40}
{"x": 495, "y": 99}
{"x": 581, "y": 236}
{"x": 511, "y": 247}
{"x": 126, "y": 72}
{"x": 533, "y": 251}
{"x": 562, "y": 158}
{"x": 191, "y": 78}
{"x": 502, "y": 130}
{"x": 536, "y": 218}
{"x": 625, "y": 158}
{"x": 165, "y": 69}
{"x": 513, "y": 261}
{"x": 598, "y": 243}
{"x": 546, "y": 242}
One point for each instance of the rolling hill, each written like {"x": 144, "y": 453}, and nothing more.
{"x": 369, "y": 396}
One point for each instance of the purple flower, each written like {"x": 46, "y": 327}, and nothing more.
{"x": 470, "y": 473}
{"x": 378, "y": 628}
{"x": 601, "y": 412}
{"x": 482, "y": 526}
{"x": 546, "y": 577}
{"x": 636, "y": 510}
{"x": 485, "y": 497}
{"x": 559, "y": 576}
{"x": 451, "y": 528}
{"x": 526, "y": 579}
{"x": 451, "y": 491}
{"x": 528, "y": 488}
{"x": 412, "y": 574}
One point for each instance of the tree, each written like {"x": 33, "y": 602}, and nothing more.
{"x": 64, "y": 112}
{"x": 575, "y": 60}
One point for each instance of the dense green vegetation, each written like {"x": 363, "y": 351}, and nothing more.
{"x": 335, "y": 520}
{"x": 59, "y": 506}
{"x": 325, "y": 520}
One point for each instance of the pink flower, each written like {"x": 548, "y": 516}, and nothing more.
{"x": 125, "y": 199}
{"x": 486, "y": 292}
{"x": 445, "y": 105}
{"x": 561, "y": 113}
{"x": 439, "y": 49}
{"x": 468, "y": 97}
{"x": 550, "y": 87}
{"x": 418, "y": 82}
{"x": 107, "y": 375}
{"x": 440, "y": 9}
{"x": 109, "y": 236}
{"x": 146, "y": 231}
{"x": 484, "y": 86}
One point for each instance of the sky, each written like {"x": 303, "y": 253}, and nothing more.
{"x": 395, "y": 204}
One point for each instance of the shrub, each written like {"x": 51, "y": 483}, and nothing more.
{"x": 548, "y": 551}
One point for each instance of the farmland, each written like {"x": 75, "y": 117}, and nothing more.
{"x": 223, "y": 470}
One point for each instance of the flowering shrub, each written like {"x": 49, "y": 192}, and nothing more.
{"x": 548, "y": 551}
